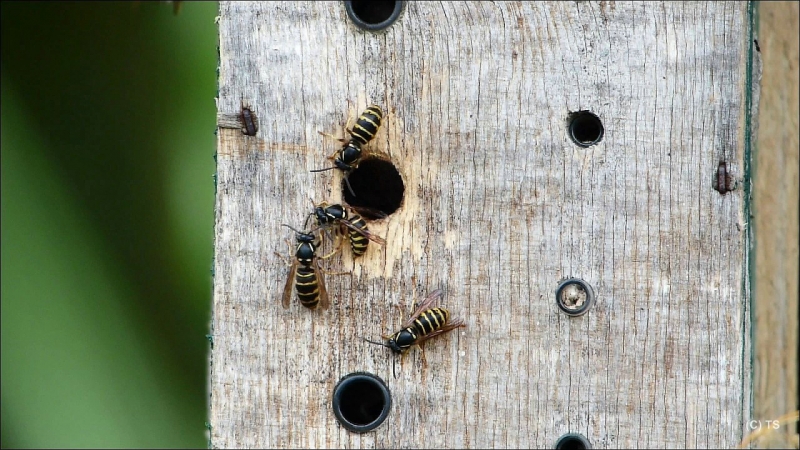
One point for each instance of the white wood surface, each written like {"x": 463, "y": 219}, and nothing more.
{"x": 499, "y": 206}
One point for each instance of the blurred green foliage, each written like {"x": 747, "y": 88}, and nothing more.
{"x": 108, "y": 121}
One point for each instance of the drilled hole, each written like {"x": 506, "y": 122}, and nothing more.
{"x": 373, "y": 14}
{"x": 585, "y": 128}
{"x": 361, "y": 401}
{"x": 377, "y": 186}
{"x": 574, "y": 296}
{"x": 573, "y": 441}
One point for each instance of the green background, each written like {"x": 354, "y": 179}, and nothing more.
{"x": 108, "y": 121}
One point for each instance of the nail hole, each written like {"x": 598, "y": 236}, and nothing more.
{"x": 361, "y": 401}
{"x": 373, "y": 15}
{"x": 574, "y": 296}
{"x": 377, "y": 185}
{"x": 585, "y": 128}
{"x": 573, "y": 441}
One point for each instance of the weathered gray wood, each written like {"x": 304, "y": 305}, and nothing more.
{"x": 499, "y": 206}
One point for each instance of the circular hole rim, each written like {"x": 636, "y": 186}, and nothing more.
{"x": 398, "y": 9}
{"x": 583, "y": 115}
{"x": 364, "y": 377}
{"x": 573, "y": 436}
{"x": 574, "y": 312}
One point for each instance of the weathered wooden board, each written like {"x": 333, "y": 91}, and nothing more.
{"x": 499, "y": 206}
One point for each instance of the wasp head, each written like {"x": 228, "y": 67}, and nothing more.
{"x": 322, "y": 217}
{"x": 304, "y": 238}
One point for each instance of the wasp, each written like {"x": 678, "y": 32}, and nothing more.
{"x": 424, "y": 323}
{"x": 305, "y": 273}
{"x": 347, "y": 223}
{"x": 347, "y": 158}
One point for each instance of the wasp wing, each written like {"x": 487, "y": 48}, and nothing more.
{"x": 424, "y": 305}
{"x": 450, "y": 326}
{"x": 366, "y": 233}
{"x": 287, "y": 290}
{"x": 370, "y": 213}
{"x": 323, "y": 291}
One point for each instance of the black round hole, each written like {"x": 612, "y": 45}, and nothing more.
{"x": 585, "y": 128}
{"x": 377, "y": 186}
{"x": 573, "y": 441}
{"x": 373, "y": 14}
{"x": 361, "y": 401}
{"x": 574, "y": 296}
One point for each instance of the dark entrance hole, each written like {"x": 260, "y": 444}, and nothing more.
{"x": 361, "y": 401}
{"x": 378, "y": 188}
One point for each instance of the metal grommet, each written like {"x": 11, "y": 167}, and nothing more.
{"x": 573, "y": 441}
{"x": 361, "y": 401}
{"x": 373, "y": 15}
{"x": 585, "y": 128}
{"x": 574, "y": 296}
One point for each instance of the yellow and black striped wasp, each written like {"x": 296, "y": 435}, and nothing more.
{"x": 425, "y": 323}
{"x": 346, "y": 222}
{"x": 305, "y": 273}
{"x": 347, "y": 158}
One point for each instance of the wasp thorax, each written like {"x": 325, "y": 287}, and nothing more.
{"x": 336, "y": 212}
{"x": 305, "y": 255}
{"x": 403, "y": 340}
{"x": 349, "y": 155}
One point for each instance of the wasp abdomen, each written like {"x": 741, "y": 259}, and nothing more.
{"x": 307, "y": 286}
{"x": 358, "y": 242}
{"x": 367, "y": 125}
{"x": 431, "y": 320}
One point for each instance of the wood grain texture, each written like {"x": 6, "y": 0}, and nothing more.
{"x": 775, "y": 208}
{"x": 499, "y": 206}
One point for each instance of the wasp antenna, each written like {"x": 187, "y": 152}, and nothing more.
{"x": 294, "y": 229}
{"x": 305, "y": 224}
{"x": 350, "y": 188}
{"x": 323, "y": 170}
{"x": 376, "y": 343}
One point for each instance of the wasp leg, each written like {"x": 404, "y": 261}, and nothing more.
{"x": 335, "y": 251}
{"x": 422, "y": 352}
{"x": 337, "y": 246}
{"x": 328, "y": 272}
{"x": 328, "y": 135}
{"x": 413, "y": 305}
{"x": 347, "y": 130}
{"x": 402, "y": 359}
{"x": 288, "y": 263}
{"x": 400, "y": 310}
{"x": 348, "y": 126}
